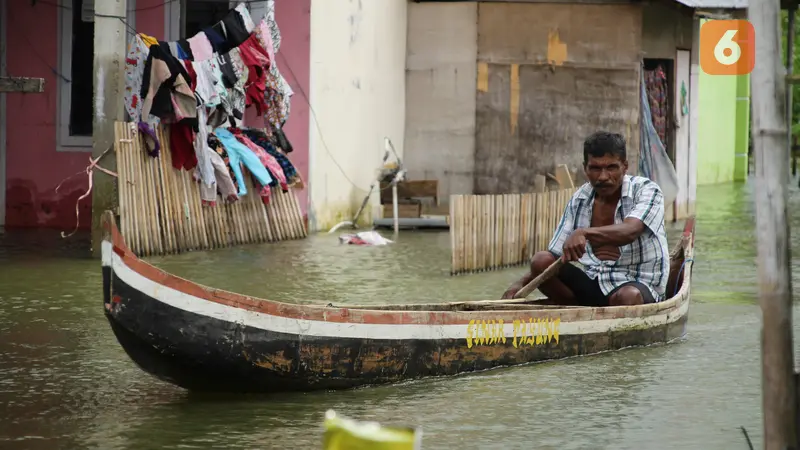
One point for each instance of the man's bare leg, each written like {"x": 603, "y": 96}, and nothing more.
{"x": 626, "y": 296}
{"x": 556, "y": 291}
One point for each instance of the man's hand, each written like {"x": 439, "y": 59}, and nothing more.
{"x": 509, "y": 294}
{"x": 575, "y": 246}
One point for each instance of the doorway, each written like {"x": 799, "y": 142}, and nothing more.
{"x": 659, "y": 81}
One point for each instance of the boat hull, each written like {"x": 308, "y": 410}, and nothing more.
{"x": 205, "y": 339}
{"x": 202, "y": 353}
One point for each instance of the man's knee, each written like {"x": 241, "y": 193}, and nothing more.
{"x": 626, "y": 296}
{"x": 541, "y": 261}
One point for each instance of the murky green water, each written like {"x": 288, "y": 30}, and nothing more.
{"x": 66, "y": 383}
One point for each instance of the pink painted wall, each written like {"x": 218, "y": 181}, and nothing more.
{"x": 150, "y": 17}
{"x": 294, "y": 62}
{"x": 35, "y": 168}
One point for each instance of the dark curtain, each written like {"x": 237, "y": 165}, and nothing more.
{"x": 656, "y": 84}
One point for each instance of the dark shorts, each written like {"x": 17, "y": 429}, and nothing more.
{"x": 587, "y": 291}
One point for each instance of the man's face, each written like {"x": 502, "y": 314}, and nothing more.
{"x": 605, "y": 173}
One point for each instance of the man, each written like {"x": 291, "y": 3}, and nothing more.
{"x": 614, "y": 226}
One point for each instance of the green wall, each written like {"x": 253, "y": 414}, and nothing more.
{"x": 723, "y": 128}
{"x": 742, "y": 127}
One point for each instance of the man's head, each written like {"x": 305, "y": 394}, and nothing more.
{"x": 605, "y": 161}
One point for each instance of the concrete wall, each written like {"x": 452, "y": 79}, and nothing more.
{"x": 441, "y": 73}
{"x": 554, "y": 74}
{"x": 666, "y": 26}
{"x": 358, "y": 54}
{"x": 34, "y": 166}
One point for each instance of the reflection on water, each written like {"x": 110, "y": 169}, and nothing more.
{"x": 66, "y": 383}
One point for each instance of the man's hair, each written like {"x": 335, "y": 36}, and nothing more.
{"x": 601, "y": 143}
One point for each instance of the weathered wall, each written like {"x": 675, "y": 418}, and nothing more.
{"x": 527, "y": 124}
{"x": 666, "y": 26}
{"x": 33, "y": 166}
{"x": 358, "y": 54}
{"x": 440, "y": 95}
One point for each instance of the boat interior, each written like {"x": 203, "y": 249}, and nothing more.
{"x": 674, "y": 283}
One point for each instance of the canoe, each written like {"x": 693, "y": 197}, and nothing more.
{"x": 206, "y": 339}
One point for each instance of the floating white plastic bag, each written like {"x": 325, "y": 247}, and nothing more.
{"x": 364, "y": 238}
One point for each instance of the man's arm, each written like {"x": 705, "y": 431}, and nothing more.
{"x": 647, "y": 213}
{"x": 565, "y": 227}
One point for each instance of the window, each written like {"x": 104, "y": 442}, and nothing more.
{"x": 199, "y": 14}
{"x": 76, "y": 68}
{"x": 185, "y": 18}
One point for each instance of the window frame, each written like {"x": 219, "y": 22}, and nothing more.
{"x": 64, "y": 141}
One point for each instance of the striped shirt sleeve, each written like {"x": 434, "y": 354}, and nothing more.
{"x": 564, "y": 228}
{"x": 648, "y": 206}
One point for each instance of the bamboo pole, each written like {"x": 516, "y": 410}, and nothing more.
{"x": 772, "y": 225}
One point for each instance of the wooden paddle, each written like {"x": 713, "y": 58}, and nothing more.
{"x": 536, "y": 282}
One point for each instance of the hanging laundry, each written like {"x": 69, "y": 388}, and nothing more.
{"x": 275, "y": 32}
{"x": 200, "y": 47}
{"x": 235, "y": 102}
{"x": 224, "y": 181}
{"x": 209, "y": 83}
{"x": 134, "y": 69}
{"x": 260, "y": 138}
{"x": 255, "y": 58}
{"x": 239, "y": 153}
{"x": 282, "y": 141}
{"x": 148, "y": 135}
{"x": 208, "y": 185}
{"x": 148, "y": 40}
{"x": 268, "y": 160}
{"x": 234, "y": 29}
{"x": 278, "y": 92}
{"x": 216, "y": 146}
{"x": 165, "y": 86}
{"x": 181, "y": 140}
{"x": 247, "y": 20}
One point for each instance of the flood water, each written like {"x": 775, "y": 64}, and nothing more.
{"x": 66, "y": 383}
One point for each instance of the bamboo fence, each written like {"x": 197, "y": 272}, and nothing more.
{"x": 160, "y": 211}
{"x": 489, "y": 232}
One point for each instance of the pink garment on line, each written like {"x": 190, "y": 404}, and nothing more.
{"x": 268, "y": 160}
{"x": 201, "y": 47}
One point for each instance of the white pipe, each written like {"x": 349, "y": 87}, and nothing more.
{"x": 394, "y": 210}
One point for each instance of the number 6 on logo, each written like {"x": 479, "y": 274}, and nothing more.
{"x": 727, "y": 47}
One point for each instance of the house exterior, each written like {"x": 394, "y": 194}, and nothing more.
{"x": 498, "y": 92}
{"x": 480, "y": 96}
{"x": 46, "y": 137}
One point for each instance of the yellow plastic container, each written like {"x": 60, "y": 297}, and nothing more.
{"x": 346, "y": 434}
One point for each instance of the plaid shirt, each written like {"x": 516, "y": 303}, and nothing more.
{"x": 646, "y": 259}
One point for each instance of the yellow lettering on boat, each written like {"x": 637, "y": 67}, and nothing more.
{"x": 470, "y": 333}
{"x": 531, "y": 332}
